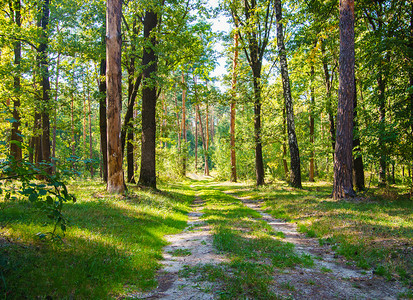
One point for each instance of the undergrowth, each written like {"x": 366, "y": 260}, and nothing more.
{"x": 112, "y": 244}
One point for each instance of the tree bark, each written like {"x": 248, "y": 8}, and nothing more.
{"x": 358, "y": 167}
{"x": 184, "y": 148}
{"x": 16, "y": 137}
{"x": 55, "y": 113}
{"x": 72, "y": 126}
{"x": 130, "y": 156}
{"x": 343, "y": 184}
{"x": 149, "y": 63}
{"x": 102, "y": 120}
{"x": 206, "y": 168}
{"x": 178, "y": 123}
{"x": 284, "y": 145}
{"x": 90, "y": 135}
{"x": 232, "y": 109}
{"x": 382, "y": 125}
{"x": 411, "y": 93}
{"x": 206, "y": 171}
{"x": 128, "y": 124}
{"x": 115, "y": 182}
{"x": 295, "y": 175}
{"x": 196, "y": 139}
{"x": 312, "y": 103}
{"x": 328, "y": 83}
{"x": 45, "y": 84}
{"x": 37, "y": 138}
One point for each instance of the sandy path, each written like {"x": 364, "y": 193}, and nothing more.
{"x": 331, "y": 277}
{"x": 196, "y": 242}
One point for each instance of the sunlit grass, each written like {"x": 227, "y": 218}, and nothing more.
{"x": 375, "y": 231}
{"x": 253, "y": 248}
{"x": 113, "y": 243}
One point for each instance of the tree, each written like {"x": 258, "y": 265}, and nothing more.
{"x": 254, "y": 29}
{"x": 16, "y": 137}
{"x": 295, "y": 175}
{"x": 149, "y": 62}
{"x": 343, "y": 184}
{"x": 45, "y": 84}
{"x": 232, "y": 109}
{"x": 114, "y": 96}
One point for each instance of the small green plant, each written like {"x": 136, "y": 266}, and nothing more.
{"x": 325, "y": 270}
{"x": 287, "y": 286}
{"x": 180, "y": 252}
{"x": 280, "y": 234}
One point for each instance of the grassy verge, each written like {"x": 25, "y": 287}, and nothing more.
{"x": 376, "y": 232}
{"x": 112, "y": 246}
{"x": 253, "y": 248}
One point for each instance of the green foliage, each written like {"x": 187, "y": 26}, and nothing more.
{"x": 112, "y": 248}
{"x": 19, "y": 178}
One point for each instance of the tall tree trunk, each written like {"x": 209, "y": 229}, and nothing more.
{"x": 115, "y": 182}
{"x": 204, "y": 143}
{"x": 149, "y": 63}
{"x": 343, "y": 184}
{"x": 312, "y": 104}
{"x": 212, "y": 122}
{"x": 133, "y": 88}
{"x": 102, "y": 120}
{"x": 206, "y": 171}
{"x": 358, "y": 167}
{"x": 16, "y": 138}
{"x": 259, "y": 164}
{"x": 130, "y": 156}
{"x": 128, "y": 124}
{"x": 295, "y": 176}
{"x": 178, "y": 123}
{"x": 72, "y": 125}
{"x": 382, "y": 123}
{"x": 55, "y": 112}
{"x": 328, "y": 83}
{"x": 411, "y": 93}
{"x": 184, "y": 148}
{"x": 90, "y": 135}
{"x": 232, "y": 109}
{"x": 45, "y": 84}
{"x": 284, "y": 145}
{"x": 38, "y": 138}
{"x": 196, "y": 139}
{"x": 84, "y": 121}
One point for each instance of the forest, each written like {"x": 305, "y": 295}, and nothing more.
{"x": 118, "y": 117}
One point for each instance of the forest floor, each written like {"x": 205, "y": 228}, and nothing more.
{"x": 209, "y": 259}
{"x": 202, "y": 239}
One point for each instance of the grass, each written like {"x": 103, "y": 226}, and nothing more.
{"x": 253, "y": 248}
{"x": 113, "y": 244}
{"x": 180, "y": 252}
{"x": 376, "y": 232}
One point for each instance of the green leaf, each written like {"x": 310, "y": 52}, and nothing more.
{"x": 33, "y": 197}
{"x": 49, "y": 200}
